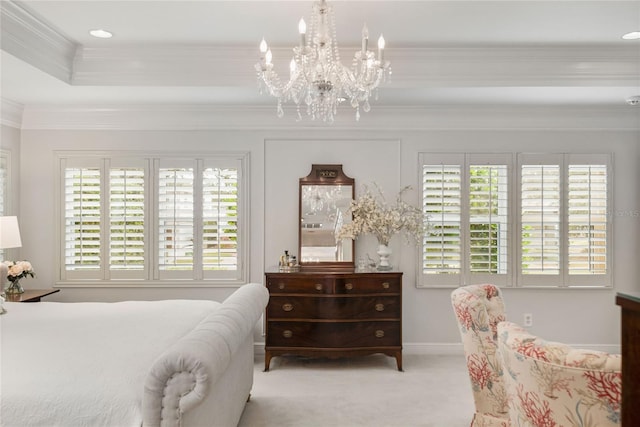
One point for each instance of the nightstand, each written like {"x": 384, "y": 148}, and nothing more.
{"x": 30, "y": 295}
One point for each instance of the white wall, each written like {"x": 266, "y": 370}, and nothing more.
{"x": 388, "y": 157}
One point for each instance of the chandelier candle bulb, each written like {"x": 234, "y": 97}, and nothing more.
{"x": 381, "y": 50}
{"x": 302, "y": 27}
{"x": 263, "y": 51}
{"x": 365, "y": 41}
{"x": 268, "y": 57}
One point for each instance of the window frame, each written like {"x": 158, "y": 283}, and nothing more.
{"x": 150, "y": 275}
{"x": 6, "y": 197}
{"x": 466, "y": 276}
{"x": 514, "y": 277}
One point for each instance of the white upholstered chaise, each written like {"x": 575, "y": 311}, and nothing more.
{"x": 150, "y": 363}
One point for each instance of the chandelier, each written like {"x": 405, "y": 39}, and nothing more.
{"x": 317, "y": 79}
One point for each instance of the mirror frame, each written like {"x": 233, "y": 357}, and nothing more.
{"x": 324, "y": 175}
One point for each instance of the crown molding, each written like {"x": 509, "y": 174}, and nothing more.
{"x": 529, "y": 65}
{"x": 235, "y": 117}
{"x": 198, "y": 65}
{"x": 159, "y": 65}
{"x": 33, "y": 40}
{"x": 11, "y": 113}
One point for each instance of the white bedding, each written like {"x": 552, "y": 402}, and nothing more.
{"x": 62, "y": 361}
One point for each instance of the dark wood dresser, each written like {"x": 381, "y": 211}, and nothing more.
{"x": 334, "y": 314}
{"x": 629, "y": 303}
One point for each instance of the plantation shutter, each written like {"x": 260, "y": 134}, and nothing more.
{"x": 4, "y": 183}
{"x": 82, "y": 219}
{"x": 587, "y": 219}
{"x": 142, "y": 219}
{"x": 176, "y": 219}
{"x": 540, "y": 216}
{"x": 564, "y": 222}
{"x": 488, "y": 224}
{"x": 126, "y": 220}
{"x": 4, "y": 191}
{"x": 442, "y": 206}
{"x": 220, "y": 218}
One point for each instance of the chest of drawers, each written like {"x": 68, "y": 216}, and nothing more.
{"x": 334, "y": 314}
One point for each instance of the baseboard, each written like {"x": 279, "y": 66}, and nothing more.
{"x": 435, "y": 349}
{"x": 407, "y": 348}
{"x": 456, "y": 349}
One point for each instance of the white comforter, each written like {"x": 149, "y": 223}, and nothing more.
{"x": 84, "y": 364}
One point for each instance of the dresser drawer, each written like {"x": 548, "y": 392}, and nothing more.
{"x": 338, "y": 307}
{"x": 300, "y": 285}
{"x": 373, "y": 283}
{"x": 333, "y": 334}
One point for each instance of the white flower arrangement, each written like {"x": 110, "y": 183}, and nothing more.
{"x": 373, "y": 215}
{"x": 16, "y": 270}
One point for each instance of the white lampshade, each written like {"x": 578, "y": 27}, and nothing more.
{"x": 9, "y": 232}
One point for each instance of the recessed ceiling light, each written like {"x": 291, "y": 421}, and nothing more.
{"x": 634, "y": 35}
{"x": 101, "y": 34}
{"x": 633, "y": 100}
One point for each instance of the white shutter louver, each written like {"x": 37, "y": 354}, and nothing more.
{"x": 540, "y": 219}
{"x": 587, "y": 219}
{"x": 220, "y": 219}
{"x": 441, "y": 196}
{"x": 175, "y": 218}
{"x": 127, "y": 218}
{"x": 82, "y": 218}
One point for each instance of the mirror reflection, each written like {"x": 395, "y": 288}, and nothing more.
{"x": 324, "y": 209}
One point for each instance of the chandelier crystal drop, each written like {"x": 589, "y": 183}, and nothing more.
{"x": 318, "y": 82}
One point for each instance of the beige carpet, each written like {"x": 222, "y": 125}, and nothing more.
{"x": 433, "y": 391}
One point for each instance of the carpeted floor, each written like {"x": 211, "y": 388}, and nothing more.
{"x": 433, "y": 391}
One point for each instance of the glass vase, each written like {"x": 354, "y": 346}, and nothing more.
{"x": 14, "y": 288}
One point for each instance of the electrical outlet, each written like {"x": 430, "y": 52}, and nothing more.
{"x": 528, "y": 320}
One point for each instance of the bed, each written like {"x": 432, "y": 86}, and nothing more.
{"x": 134, "y": 363}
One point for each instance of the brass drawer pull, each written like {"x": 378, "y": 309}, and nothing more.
{"x": 379, "y": 333}
{"x": 281, "y": 285}
{"x": 385, "y": 285}
{"x": 287, "y": 334}
{"x": 379, "y": 307}
{"x": 287, "y": 307}
{"x": 318, "y": 286}
{"x": 348, "y": 286}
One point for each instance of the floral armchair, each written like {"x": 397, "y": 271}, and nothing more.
{"x": 479, "y": 309}
{"x": 552, "y": 384}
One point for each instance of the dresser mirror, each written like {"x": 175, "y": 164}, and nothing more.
{"x": 325, "y": 197}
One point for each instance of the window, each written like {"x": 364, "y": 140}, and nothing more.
{"x": 516, "y": 219}
{"x": 150, "y": 219}
{"x": 5, "y": 200}
{"x": 4, "y": 182}
{"x": 465, "y": 198}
